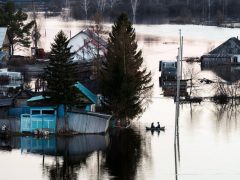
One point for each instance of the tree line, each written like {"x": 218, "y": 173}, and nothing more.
{"x": 157, "y": 11}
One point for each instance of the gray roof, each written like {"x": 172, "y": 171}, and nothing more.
{"x": 6, "y": 102}
{"x": 3, "y": 31}
{"x": 231, "y": 46}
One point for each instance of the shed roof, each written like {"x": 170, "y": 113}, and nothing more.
{"x": 231, "y": 46}
{"x": 86, "y": 92}
{"x": 36, "y": 98}
{"x": 6, "y": 102}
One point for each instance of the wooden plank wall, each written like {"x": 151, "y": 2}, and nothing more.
{"x": 87, "y": 123}
{"x": 12, "y": 123}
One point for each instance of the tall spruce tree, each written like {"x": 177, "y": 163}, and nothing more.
{"x": 124, "y": 82}
{"x": 61, "y": 75}
{"x": 18, "y": 32}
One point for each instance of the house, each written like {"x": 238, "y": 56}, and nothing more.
{"x": 227, "y": 53}
{"x": 168, "y": 70}
{"x": 86, "y": 45}
{"x": 168, "y": 79}
{"x": 44, "y": 115}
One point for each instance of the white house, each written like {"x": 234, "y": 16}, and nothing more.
{"x": 4, "y": 44}
{"x": 86, "y": 45}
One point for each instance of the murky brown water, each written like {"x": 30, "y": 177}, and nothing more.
{"x": 209, "y": 134}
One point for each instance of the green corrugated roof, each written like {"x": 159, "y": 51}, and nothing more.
{"x": 36, "y": 98}
{"x": 86, "y": 92}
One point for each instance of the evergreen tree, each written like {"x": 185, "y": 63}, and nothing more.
{"x": 18, "y": 32}
{"x": 61, "y": 75}
{"x": 124, "y": 82}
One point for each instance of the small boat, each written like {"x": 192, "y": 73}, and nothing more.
{"x": 155, "y": 129}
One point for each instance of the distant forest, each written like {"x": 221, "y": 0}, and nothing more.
{"x": 151, "y": 11}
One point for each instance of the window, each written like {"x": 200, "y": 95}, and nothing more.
{"x": 35, "y": 112}
{"x": 48, "y": 112}
{"x": 235, "y": 59}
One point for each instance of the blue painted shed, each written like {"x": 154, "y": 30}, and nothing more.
{"x": 39, "y": 118}
{"x": 44, "y": 116}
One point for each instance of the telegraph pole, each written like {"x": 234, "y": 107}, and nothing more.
{"x": 179, "y": 76}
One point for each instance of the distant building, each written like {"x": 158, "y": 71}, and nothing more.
{"x": 9, "y": 79}
{"x": 86, "y": 45}
{"x": 168, "y": 79}
{"x": 226, "y": 53}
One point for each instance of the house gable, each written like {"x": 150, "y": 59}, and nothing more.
{"x": 229, "y": 47}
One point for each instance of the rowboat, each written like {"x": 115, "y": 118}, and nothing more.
{"x": 155, "y": 129}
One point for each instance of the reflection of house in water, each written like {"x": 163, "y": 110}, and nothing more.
{"x": 226, "y": 53}
{"x": 76, "y": 146}
{"x": 231, "y": 74}
{"x": 168, "y": 79}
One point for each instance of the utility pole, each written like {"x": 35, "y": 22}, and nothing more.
{"x": 181, "y": 50}
{"x": 178, "y": 89}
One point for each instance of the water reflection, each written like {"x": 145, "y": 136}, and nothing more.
{"x": 228, "y": 73}
{"x": 124, "y": 154}
{"x": 69, "y": 153}
{"x": 85, "y": 156}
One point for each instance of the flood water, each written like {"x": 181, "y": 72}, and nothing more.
{"x": 209, "y": 134}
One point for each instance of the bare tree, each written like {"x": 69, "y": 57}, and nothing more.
{"x": 192, "y": 75}
{"x": 227, "y": 90}
{"x": 112, "y": 3}
{"x": 134, "y": 4}
{"x": 85, "y": 6}
{"x": 101, "y": 5}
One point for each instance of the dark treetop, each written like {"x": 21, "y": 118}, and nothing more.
{"x": 124, "y": 82}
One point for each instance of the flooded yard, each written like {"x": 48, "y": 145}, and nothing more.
{"x": 208, "y": 134}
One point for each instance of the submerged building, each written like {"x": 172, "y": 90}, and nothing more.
{"x": 227, "y": 53}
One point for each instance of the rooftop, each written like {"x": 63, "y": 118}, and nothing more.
{"x": 231, "y": 46}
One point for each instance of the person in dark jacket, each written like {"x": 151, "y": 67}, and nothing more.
{"x": 152, "y": 125}
{"x": 158, "y": 126}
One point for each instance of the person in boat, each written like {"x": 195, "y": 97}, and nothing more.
{"x": 152, "y": 126}
{"x": 158, "y": 126}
